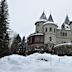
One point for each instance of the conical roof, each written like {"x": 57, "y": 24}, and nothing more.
{"x": 67, "y": 20}
{"x": 50, "y": 18}
{"x": 43, "y": 16}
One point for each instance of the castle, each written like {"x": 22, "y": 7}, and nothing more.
{"x": 47, "y": 32}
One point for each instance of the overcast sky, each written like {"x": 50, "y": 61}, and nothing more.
{"x": 24, "y": 13}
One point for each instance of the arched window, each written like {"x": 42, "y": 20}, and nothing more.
{"x": 50, "y": 29}
{"x": 50, "y": 38}
{"x": 46, "y": 29}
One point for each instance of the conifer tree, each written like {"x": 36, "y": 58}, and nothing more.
{"x": 15, "y": 44}
{"x": 22, "y": 46}
{"x": 4, "y": 37}
{"x": 23, "y": 42}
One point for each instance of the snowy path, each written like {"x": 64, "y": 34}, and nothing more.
{"x": 36, "y": 63}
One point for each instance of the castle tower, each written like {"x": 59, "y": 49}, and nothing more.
{"x": 70, "y": 23}
{"x": 67, "y": 20}
{"x": 50, "y": 31}
{"x": 40, "y": 22}
{"x": 65, "y": 23}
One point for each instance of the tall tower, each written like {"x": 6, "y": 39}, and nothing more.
{"x": 40, "y": 22}
{"x": 50, "y": 31}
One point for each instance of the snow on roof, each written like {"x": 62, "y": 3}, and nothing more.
{"x": 41, "y": 20}
{"x": 67, "y": 27}
{"x": 36, "y": 34}
{"x": 63, "y": 44}
{"x": 49, "y": 22}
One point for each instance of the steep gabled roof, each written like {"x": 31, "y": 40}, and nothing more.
{"x": 50, "y": 18}
{"x": 43, "y": 16}
{"x": 67, "y": 20}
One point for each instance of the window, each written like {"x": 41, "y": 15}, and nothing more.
{"x": 67, "y": 26}
{"x": 37, "y": 31}
{"x": 37, "y": 39}
{"x": 37, "y": 24}
{"x": 46, "y": 29}
{"x": 50, "y": 38}
{"x": 50, "y": 29}
{"x": 63, "y": 33}
{"x": 54, "y": 30}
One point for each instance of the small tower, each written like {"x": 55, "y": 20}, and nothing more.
{"x": 70, "y": 25}
{"x": 71, "y": 29}
{"x": 50, "y": 31}
{"x": 65, "y": 23}
{"x": 67, "y": 20}
{"x": 43, "y": 16}
{"x": 40, "y": 22}
{"x": 50, "y": 18}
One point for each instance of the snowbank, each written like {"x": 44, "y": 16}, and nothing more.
{"x": 63, "y": 44}
{"x": 36, "y": 63}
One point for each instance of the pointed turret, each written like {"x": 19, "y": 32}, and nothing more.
{"x": 50, "y": 18}
{"x": 43, "y": 16}
{"x": 67, "y": 20}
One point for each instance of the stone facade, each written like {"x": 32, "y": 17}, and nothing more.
{"x": 48, "y": 32}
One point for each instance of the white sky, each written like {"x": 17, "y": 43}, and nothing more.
{"x": 24, "y": 13}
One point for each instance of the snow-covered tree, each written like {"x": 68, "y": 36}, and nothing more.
{"x": 22, "y": 47}
{"x": 15, "y": 44}
{"x": 4, "y": 38}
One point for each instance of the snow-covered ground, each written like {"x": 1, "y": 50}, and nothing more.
{"x": 36, "y": 63}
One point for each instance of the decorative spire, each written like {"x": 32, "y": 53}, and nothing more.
{"x": 43, "y": 16}
{"x": 50, "y": 18}
{"x": 67, "y": 20}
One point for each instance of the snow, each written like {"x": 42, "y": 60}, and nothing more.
{"x": 63, "y": 44}
{"x": 49, "y": 22}
{"x": 44, "y": 20}
{"x": 67, "y": 27}
{"x": 36, "y": 34}
{"x": 36, "y": 63}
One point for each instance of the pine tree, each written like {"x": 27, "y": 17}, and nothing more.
{"x": 22, "y": 47}
{"x": 15, "y": 44}
{"x": 4, "y": 37}
{"x": 23, "y": 42}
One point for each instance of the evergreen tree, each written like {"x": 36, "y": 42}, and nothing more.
{"x": 15, "y": 44}
{"x": 23, "y": 42}
{"x": 22, "y": 47}
{"x": 4, "y": 38}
